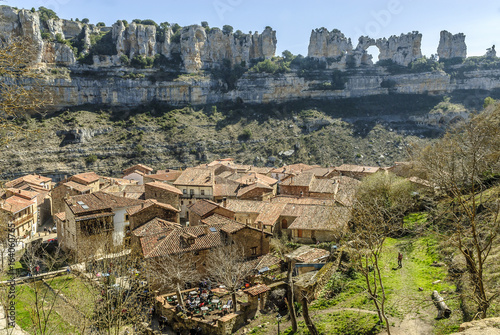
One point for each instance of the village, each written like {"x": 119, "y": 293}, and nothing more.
{"x": 183, "y": 223}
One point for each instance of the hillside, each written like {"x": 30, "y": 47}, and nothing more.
{"x": 375, "y": 131}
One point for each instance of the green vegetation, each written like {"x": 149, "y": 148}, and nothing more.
{"x": 46, "y": 14}
{"x": 275, "y": 65}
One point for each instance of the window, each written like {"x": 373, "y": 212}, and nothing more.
{"x": 182, "y": 203}
{"x": 202, "y": 192}
{"x": 254, "y": 250}
{"x": 184, "y": 191}
{"x": 126, "y": 217}
{"x": 191, "y": 192}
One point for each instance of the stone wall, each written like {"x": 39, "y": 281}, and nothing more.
{"x": 162, "y": 195}
{"x": 138, "y": 219}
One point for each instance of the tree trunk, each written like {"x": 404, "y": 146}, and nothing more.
{"x": 305, "y": 310}
{"x": 443, "y": 310}
{"x": 289, "y": 299}
{"x": 179, "y": 296}
{"x": 233, "y": 296}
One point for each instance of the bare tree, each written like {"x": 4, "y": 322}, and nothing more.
{"x": 462, "y": 165}
{"x": 225, "y": 265}
{"x": 380, "y": 204}
{"x": 21, "y": 86}
{"x": 116, "y": 283}
{"x": 172, "y": 272}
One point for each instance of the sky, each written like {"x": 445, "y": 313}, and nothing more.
{"x": 294, "y": 20}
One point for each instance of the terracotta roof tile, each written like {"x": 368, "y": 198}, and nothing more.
{"x": 148, "y": 203}
{"x": 226, "y": 224}
{"x": 256, "y": 290}
{"x": 165, "y": 187}
{"x": 302, "y": 200}
{"x": 171, "y": 175}
{"x": 294, "y": 168}
{"x": 85, "y": 178}
{"x": 257, "y": 186}
{"x": 173, "y": 243}
{"x": 357, "y": 168}
{"x": 154, "y": 227}
{"x": 330, "y": 218}
{"x": 77, "y": 186}
{"x": 15, "y": 204}
{"x": 202, "y": 207}
{"x": 253, "y": 177}
{"x": 30, "y": 178}
{"x": 196, "y": 177}
{"x": 138, "y": 167}
{"x": 302, "y": 179}
{"x": 61, "y": 216}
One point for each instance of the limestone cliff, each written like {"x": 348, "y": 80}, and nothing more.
{"x": 334, "y": 45}
{"x": 199, "y": 48}
{"x": 401, "y": 49}
{"x": 451, "y": 46}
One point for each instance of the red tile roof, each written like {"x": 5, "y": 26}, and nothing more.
{"x": 253, "y": 177}
{"x": 148, "y": 203}
{"x": 30, "y": 179}
{"x": 154, "y": 227}
{"x": 85, "y": 178}
{"x": 137, "y": 168}
{"x": 257, "y": 186}
{"x": 77, "y": 186}
{"x": 196, "y": 177}
{"x": 15, "y": 204}
{"x": 171, "y": 175}
{"x": 256, "y": 290}
{"x": 99, "y": 201}
{"x": 165, "y": 187}
{"x": 227, "y": 225}
{"x": 176, "y": 241}
{"x": 294, "y": 168}
{"x": 203, "y": 207}
{"x": 61, "y": 216}
{"x": 329, "y": 218}
{"x": 357, "y": 168}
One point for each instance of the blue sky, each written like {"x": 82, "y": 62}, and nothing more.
{"x": 293, "y": 20}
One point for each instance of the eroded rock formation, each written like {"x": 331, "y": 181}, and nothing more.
{"x": 401, "y": 49}
{"x": 334, "y": 45}
{"x": 451, "y": 46}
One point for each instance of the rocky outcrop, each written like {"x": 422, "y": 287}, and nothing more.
{"x": 58, "y": 53}
{"x": 200, "y": 49}
{"x": 332, "y": 45}
{"x": 135, "y": 39}
{"x": 451, "y": 46}
{"x": 325, "y": 45}
{"x": 491, "y": 52}
{"x": 401, "y": 49}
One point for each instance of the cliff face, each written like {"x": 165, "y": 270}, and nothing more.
{"x": 108, "y": 88}
{"x": 199, "y": 48}
{"x": 451, "y": 46}
{"x": 349, "y": 72}
{"x": 401, "y": 50}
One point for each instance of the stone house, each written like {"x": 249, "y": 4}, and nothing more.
{"x": 42, "y": 186}
{"x": 315, "y": 223}
{"x": 257, "y": 191}
{"x": 255, "y": 242}
{"x": 257, "y": 214}
{"x": 149, "y": 210}
{"x": 288, "y": 170}
{"x": 137, "y": 173}
{"x": 87, "y": 216}
{"x": 158, "y": 239}
{"x": 163, "y": 193}
{"x": 163, "y": 176}
{"x": 355, "y": 171}
{"x": 83, "y": 183}
{"x": 202, "y": 209}
{"x": 195, "y": 184}
{"x": 21, "y": 211}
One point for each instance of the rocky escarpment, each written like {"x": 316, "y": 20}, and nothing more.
{"x": 58, "y": 41}
{"x": 335, "y": 46}
{"x": 451, "y": 46}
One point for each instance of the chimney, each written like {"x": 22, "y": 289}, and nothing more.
{"x": 124, "y": 194}
{"x": 224, "y": 202}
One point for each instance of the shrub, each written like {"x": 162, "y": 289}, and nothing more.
{"x": 246, "y": 135}
{"x": 46, "y": 14}
{"x": 227, "y": 29}
{"x": 271, "y": 66}
{"x": 91, "y": 159}
{"x": 124, "y": 60}
{"x": 101, "y": 24}
{"x": 85, "y": 21}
